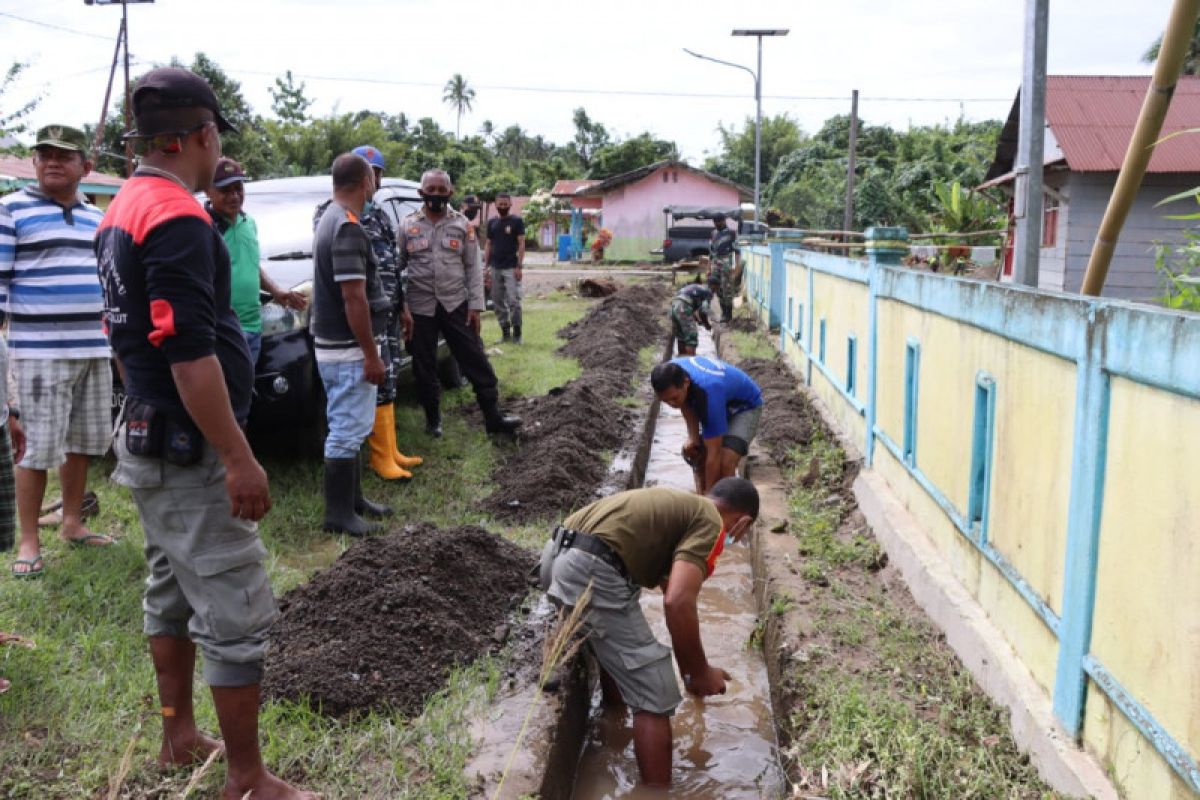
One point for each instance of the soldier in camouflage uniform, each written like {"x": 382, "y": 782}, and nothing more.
{"x": 689, "y": 307}
{"x": 724, "y": 255}
{"x": 386, "y": 459}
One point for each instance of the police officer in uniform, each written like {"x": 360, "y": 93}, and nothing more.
{"x": 439, "y": 248}
{"x": 721, "y": 249}
{"x": 386, "y": 458}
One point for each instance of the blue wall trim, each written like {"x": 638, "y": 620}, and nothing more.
{"x": 1088, "y": 464}
{"x": 1179, "y": 759}
{"x": 912, "y": 395}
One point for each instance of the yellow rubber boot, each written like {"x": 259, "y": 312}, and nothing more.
{"x": 381, "y": 446}
{"x": 402, "y": 461}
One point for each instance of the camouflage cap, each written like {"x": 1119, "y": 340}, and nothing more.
{"x": 63, "y": 137}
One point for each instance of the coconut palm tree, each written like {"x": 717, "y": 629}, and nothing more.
{"x": 459, "y": 95}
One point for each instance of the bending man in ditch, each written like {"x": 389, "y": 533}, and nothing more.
{"x": 647, "y": 538}
{"x": 689, "y": 307}
{"x": 721, "y": 406}
{"x": 180, "y": 449}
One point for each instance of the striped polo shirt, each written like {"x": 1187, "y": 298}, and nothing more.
{"x": 48, "y": 280}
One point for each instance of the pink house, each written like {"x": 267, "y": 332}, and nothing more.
{"x": 632, "y": 203}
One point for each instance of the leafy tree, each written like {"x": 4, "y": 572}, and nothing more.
{"x": 288, "y": 101}
{"x": 781, "y": 135}
{"x": 459, "y": 95}
{"x": 12, "y": 122}
{"x": 1191, "y": 61}
{"x": 630, "y": 154}
{"x": 590, "y": 136}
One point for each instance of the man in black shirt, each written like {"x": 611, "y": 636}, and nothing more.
{"x": 180, "y": 447}
{"x": 504, "y": 255}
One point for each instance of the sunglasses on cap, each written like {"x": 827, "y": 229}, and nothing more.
{"x": 167, "y": 142}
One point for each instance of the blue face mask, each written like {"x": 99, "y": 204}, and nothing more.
{"x": 729, "y": 540}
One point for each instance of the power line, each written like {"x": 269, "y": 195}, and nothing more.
{"x": 52, "y": 26}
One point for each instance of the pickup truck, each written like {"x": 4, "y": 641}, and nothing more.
{"x": 688, "y": 242}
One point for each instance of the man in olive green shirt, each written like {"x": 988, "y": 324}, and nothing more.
{"x": 646, "y": 538}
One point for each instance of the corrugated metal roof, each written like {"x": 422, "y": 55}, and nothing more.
{"x": 1092, "y": 117}
{"x": 566, "y": 188}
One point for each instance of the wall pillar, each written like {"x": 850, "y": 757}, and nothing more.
{"x": 885, "y": 247}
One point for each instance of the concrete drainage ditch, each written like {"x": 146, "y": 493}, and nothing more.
{"x": 724, "y": 747}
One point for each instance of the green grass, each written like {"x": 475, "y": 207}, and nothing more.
{"x": 88, "y": 688}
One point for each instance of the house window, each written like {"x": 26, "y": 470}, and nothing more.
{"x": 981, "y": 455}
{"x": 912, "y": 366}
{"x": 1049, "y": 220}
{"x": 851, "y": 364}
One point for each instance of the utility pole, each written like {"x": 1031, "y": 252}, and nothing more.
{"x": 122, "y": 41}
{"x": 98, "y": 140}
{"x": 1027, "y": 205}
{"x": 848, "y": 218}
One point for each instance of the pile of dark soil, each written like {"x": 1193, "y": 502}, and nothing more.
{"x": 743, "y": 324}
{"x": 559, "y": 464}
{"x": 597, "y": 287}
{"x": 787, "y": 420}
{"x": 383, "y": 626}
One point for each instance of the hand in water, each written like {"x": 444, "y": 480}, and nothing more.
{"x": 708, "y": 682}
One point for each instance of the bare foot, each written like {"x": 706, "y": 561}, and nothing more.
{"x": 5, "y": 685}
{"x": 265, "y": 787}
{"x": 184, "y": 751}
{"x": 82, "y": 537}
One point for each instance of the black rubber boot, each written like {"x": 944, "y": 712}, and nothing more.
{"x": 506, "y": 335}
{"x": 496, "y": 422}
{"x": 433, "y": 421}
{"x": 364, "y": 507}
{"x": 516, "y": 334}
{"x": 341, "y": 475}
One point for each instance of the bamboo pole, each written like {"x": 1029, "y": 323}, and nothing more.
{"x": 1141, "y": 147}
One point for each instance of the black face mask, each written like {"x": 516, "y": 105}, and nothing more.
{"x": 502, "y": 211}
{"x": 435, "y": 202}
{"x": 470, "y": 212}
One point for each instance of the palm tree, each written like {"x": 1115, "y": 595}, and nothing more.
{"x": 459, "y": 96}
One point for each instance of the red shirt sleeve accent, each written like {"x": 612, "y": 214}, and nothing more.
{"x": 718, "y": 548}
{"x": 162, "y": 316}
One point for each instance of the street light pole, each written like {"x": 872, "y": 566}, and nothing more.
{"x": 757, "y": 76}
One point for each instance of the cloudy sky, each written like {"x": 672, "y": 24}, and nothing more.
{"x": 532, "y": 62}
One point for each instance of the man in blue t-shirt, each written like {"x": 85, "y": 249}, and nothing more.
{"x": 721, "y": 406}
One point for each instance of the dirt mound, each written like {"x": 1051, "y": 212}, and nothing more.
{"x": 597, "y": 287}
{"x": 787, "y": 420}
{"x": 560, "y": 462}
{"x": 743, "y": 324}
{"x": 385, "y": 623}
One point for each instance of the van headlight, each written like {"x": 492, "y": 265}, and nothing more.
{"x": 276, "y": 319}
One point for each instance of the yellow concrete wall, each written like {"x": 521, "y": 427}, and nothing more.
{"x": 1146, "y": 629}
{"x": 843, "y": 305}
{"x": 796, "y": 287}
{"x": 1128, "y": 757}
{"x": 758, "y": 267}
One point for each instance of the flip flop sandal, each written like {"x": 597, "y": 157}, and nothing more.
{"x": 90, "y": 506}
{"x": 51, "y": 520}
{"x": 92, "y": 540}
{"x": 36, "y": 568}
{"x": 54, "y": 506}
{"x": 16, "y": 641}
{"x": 5, "y": 685}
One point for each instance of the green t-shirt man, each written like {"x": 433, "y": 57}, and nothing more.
{"x": 651, "y": 529}
{"x": 241, "y": 237}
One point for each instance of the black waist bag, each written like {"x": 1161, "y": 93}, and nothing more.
{"x": 150, "y": 433}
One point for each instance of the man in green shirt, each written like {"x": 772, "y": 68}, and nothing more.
{"x": 225, "y": 199}
{"x": 647, "y": 538}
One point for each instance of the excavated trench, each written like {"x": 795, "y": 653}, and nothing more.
{"x": 724, "y": 747}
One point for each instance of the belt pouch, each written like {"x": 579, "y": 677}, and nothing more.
{"x": 143, "y": 429}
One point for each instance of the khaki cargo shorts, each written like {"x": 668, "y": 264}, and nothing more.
{"x": 207, "y": 581}
{"x": 616, "y": 629}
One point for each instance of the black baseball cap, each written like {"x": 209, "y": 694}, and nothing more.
{"x": 168, "y": 88}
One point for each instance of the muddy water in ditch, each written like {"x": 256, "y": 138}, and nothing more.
{"x": 724, "y": 746}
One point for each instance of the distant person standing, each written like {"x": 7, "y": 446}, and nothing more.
{"x": 689, "y": 308}
{"x": 505, "y": 257}
{"x": 60, "y": 357}
{"x": 350, "y": 310}
{"x": 724, "y": 255}
{"x": 445, "y": 294}
{"x": 225, "y": 199}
